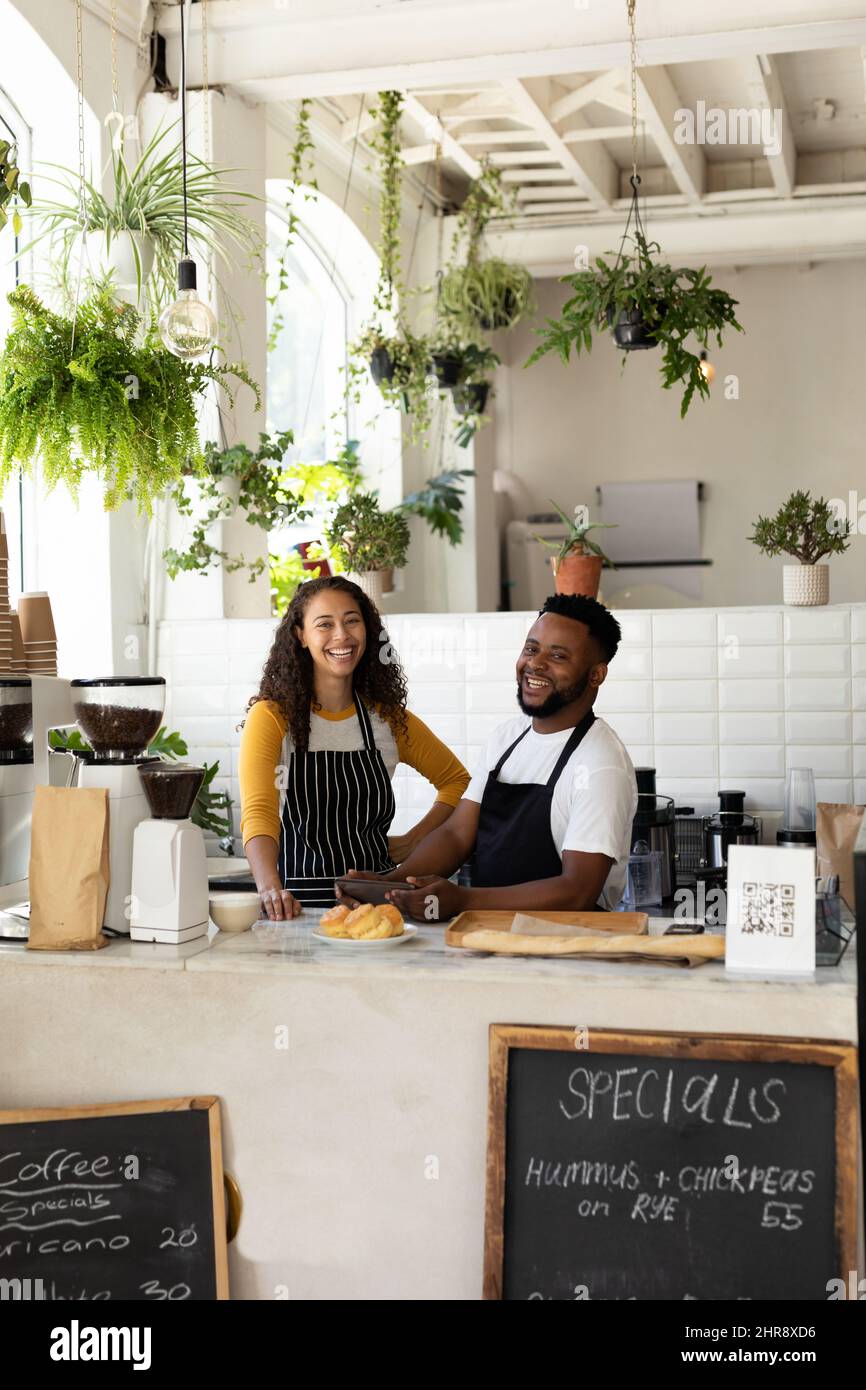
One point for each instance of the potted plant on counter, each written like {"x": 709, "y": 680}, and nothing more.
{"x": 368, "y": 542}
{"x": 85, "y": 395}
{"x": 578, "y": 561}
{"x": 645, "y": 303}
{"x": 806, "y": 528}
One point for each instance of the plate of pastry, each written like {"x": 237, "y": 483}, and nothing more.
{"x": 367, "y": 925}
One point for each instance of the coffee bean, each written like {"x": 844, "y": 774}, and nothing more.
{"x": 117, "y": 728}
{"x": 171, "y": 789}
{"x": 16, "y": 727}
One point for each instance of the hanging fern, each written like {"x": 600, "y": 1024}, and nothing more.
{"x": 300, "y": 174}
{"x": 89, "y": 398}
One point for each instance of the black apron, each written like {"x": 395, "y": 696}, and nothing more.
{"x": 515, "y": 843}
{"x": 336, "y": 816}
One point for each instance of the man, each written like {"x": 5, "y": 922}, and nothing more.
{"x": 550, "y": 807}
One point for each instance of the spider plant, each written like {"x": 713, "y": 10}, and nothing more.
{"x": 146, "y": 197}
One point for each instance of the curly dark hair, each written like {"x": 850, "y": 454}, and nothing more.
{"x": 287, "y": 677}
{"x": 602, "y": 625}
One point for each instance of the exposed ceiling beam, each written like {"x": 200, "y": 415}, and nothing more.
{"x": 598, "y": 132}
{"x": 551, "y": 193}
{"x": 500, "y": 137}
{"x": 593, "y": 90}
{"x": 658, "y": 104}
{"x": 537, "y": 176}
{"x": 435, "y": 131}
{"x": 595, "y": 172}
{"x": 419, "y": 154}
{"x": 766, "y": 88}
{"x": 502, "y": 158}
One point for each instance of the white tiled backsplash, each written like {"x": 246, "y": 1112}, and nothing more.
{"x": 709, "y": 698}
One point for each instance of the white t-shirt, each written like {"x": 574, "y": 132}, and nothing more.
{"x": 595, "y": 798}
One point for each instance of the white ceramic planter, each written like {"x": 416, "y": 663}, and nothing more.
{"x": 806, "y": 586}
{"x": 118, "y": 259}
{"x": 373, "y": 584}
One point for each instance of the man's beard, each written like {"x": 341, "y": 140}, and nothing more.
{"x": 556, "y": 700}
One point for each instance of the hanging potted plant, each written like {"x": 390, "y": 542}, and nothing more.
{"x": 472, "y": 391}
{"x": 806, "y": 528}
{"x": 139, "y": 228}
{"x": 11, "y": 186}
{"x": 578, "y": 561}
{"x": 86, "y": 395}
{"x": 484, "y": 294}
{"x": 400, "y": 365}
{"x": 368, "y": 542}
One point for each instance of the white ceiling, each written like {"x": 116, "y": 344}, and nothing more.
{"x": 542, "y": 90}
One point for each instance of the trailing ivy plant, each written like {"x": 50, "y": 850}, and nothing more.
{"x": 88, "y": 396}
{"x": 385, "y": 142}
{"x": 667, "y": 305}
{"x": 400, "y": 364}
{"x": 300, "y": 176}
{"x": 11, "y": 186}
{"x": 484, "y": 293}
{"x": 271, "y": 495}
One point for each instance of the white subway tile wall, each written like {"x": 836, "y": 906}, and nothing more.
{"x": 708, "y": 697}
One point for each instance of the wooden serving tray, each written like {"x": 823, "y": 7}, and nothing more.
{"x": 490, "y": 919}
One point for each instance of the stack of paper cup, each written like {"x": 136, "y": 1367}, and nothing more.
{"x": 19, "y": 656}
{"x": 38, "y": 634}
{"x": 4, "y": 568}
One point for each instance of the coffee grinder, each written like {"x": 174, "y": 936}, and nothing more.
{"x": 118, "y": 716}
{"x": 17, "y": 777}
{"x": 169, "y": 865}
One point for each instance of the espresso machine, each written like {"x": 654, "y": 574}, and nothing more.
{"x": 118, "y": 716}
{"x": 169, "y": 864}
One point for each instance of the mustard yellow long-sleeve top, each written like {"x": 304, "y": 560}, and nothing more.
{"x": 266, "y": 745}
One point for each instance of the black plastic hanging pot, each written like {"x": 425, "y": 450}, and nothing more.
{"x": 503, "y": 316}
{"x": 446, "y": 367}
{"x": 631, "y": 331}
{"x": 382, "y": 366}
{"x": 471, "y": 398}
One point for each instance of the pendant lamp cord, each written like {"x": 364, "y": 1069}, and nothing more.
{"x": 183, "y": 124}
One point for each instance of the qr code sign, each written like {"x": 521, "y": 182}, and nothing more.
{"x": 768, "y": 909}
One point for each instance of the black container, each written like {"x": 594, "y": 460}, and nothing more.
{"x": 471, "y": 398}
{"x": 630, "y": 331}
{"x": 796, "y": 839}
{"x": 654, "y": 824}
{"x": 729, "y": 826}
{"x": 381, "y": 365}
{"x": 170, "y": 788}
{"x": 447, "y": 367}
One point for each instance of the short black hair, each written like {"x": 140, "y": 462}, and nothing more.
{"x": 602, "y": 625}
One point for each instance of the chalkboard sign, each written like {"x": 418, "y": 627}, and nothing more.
{"x": 666, "y": 1166}
{"x": 114, "y": 1202}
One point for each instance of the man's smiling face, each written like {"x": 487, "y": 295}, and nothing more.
{"x": 558, "y": 662}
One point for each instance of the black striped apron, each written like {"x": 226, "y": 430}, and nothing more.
{"x": 336, "y": 816}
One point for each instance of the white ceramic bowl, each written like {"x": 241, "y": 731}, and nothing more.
{"x": 235, "y": 912}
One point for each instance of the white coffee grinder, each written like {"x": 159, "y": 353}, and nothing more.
{"x": 118, "y": 717}
{"x": 17, "y": 777}
{"x": 169, "y": 866}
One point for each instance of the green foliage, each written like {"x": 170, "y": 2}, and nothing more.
{"x": 89, "y": 397}
{"x": 484, "y": 294}
{"x": 11, "y": 186}
{"x": 147, "y": 197}
{"x": 674, "y": 303}
{"x": 211, "y": 810}
{"x": 385, "y": 142}
{"x": 365, "y": 538}
{"x": 807, "y": 528}
{"x": 286, "y": 573}
{"x": 440, "y": 503}
{"x": 409, "y": 387}
{"x": 300, "y": 174}
{"x": 576, "y": 541}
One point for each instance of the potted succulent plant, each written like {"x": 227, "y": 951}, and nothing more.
{"x": 578, "y": 561}
{"x": 11, "y": 186}
{"x": 368, "y": 542}
{"x": 484, "y": 293}
{"x": 645, "y": 303}
{"x": 806, "y": 528}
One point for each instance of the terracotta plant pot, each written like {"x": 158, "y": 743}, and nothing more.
{"x": 577, "y": 574}
{"x": 806, "y": 586}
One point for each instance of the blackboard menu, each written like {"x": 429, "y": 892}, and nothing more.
{"x": 115, "y": 1203}
{"x": 633, "y": 1174}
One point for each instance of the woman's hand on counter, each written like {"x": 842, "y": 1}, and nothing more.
{"x": 278, "y": 903}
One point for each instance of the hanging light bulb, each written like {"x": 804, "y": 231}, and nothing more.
{"x": 188, "y": 327}
{"x": 707, "y": 369}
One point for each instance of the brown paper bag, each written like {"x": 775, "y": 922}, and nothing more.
{"x": 836, "y": 829}
{"x": 68, "y": 868}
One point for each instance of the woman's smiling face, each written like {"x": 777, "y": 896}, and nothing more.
{"x": 334, "y": 632}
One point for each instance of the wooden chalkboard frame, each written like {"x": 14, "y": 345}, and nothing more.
{"x": 153, "y": 1107}
{"x": 842, "y": 1057}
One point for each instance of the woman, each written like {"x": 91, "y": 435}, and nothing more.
{"x": 320, "y": 744}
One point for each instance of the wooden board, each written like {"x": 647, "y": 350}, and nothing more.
{"x": 121, "y": 1200}
{"x": 590, "y": 1133}
{"x": 488, "y": 919}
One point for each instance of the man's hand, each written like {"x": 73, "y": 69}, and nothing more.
{"x": 433, "y": 899}
{"x": 278, "y": 903}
